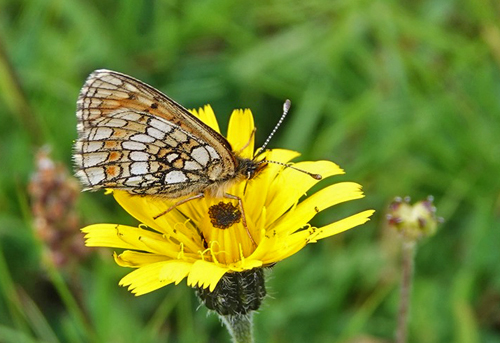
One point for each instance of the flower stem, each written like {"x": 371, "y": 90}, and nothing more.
{"x": 406, "y": 283}
{"x": 239, "y": 327}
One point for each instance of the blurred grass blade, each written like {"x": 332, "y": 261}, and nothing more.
{"x": 37, "y": 320}
{"x": 9, "y": 335}
{"x": 77, "y": 315}
{"x": 13, "y": 94}
{"x": 8, "y": 291}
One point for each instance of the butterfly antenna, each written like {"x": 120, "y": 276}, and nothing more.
{"x": 286, "y": 108}
{"x": 288, "y": 165}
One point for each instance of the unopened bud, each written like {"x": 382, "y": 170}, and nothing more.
{"x": 413, "y": 221}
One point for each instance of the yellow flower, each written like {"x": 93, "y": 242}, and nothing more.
{"x": 204, "y": 239}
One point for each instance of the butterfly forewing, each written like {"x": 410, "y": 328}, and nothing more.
{"x": 133, "y": 137}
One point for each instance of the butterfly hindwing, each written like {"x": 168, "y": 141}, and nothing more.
{"x": 135, "y": 138}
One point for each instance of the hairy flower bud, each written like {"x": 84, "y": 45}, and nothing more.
{"x": 413, "y": 221}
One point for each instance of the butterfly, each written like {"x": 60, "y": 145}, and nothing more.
{"x": 133, "y": 137}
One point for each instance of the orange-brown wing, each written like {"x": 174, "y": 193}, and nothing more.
{"x": 133, "y": 137}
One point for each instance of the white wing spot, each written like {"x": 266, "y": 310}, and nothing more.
{"x": 127, "y": 115}
{"x": 129, "y": 145}
{"x": 139, "y": 156}
{"x": 89, "y": 146}
{"x": 93, "y": 159}
{"x": 213, "y": 154}
{"x": 140, "y": 137}
{"x": 200, "y": 154}
{"x": 100, "y": 133}
{"x": 192, "y": 165}
{"x": 133, "y": 181}
{"x": 160, "y": 125}
{"x": 156, "y": 133}
{"x": 139, "y": 168}
{"x": 95, "y": 175}
{"x": 172, "y": 157}
{"x": 113, "y": 122}
{"x": 175, "y": 176}
{"x": 131, "y": 88}
{"x": 111, "y": 79}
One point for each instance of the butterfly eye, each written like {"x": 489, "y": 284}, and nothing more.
{"x": 248, "y": 167}
{"x": 250, "y": 172}
{"x": 254, "y": 168}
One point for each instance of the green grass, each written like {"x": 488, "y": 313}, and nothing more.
{"x": 403, "y": 95}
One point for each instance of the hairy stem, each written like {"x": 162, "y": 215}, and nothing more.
{"x": 239, "y": 327}
{"x": 406, "y": 284}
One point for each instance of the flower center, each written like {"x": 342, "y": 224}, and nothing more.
{"x": 223, "y": 215}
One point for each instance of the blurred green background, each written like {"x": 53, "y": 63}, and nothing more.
{"x": 404, "y": 95}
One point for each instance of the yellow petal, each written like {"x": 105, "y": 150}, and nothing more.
{"x": 278, "y": 248}
{"x": 258, "y": 188}
{"x": 175, "y": 271}
{"x": 283, "y": 251}
{"x": 156, "y": 275}
{"x": 240, "y": 133}
{"x": 307, "y": 209}
{"x": 136, "y": 259}
{"x": 342, "y": 225}
{"x": 205, "y": 274}
{"x": 291, "y": 184}
{"x": 145, "y": 208}
{"x": 228, "y": 245}
{"x": 145, "y": 279}
{"x": 116, "y": 236}
{"x": 173, "y": 224}
{"x": 246, "y": 264}
{"x": 207, "y": 115}
{"x": 266, "y": 249}
{"x": 159, "y": 245}
{"x": 106, "y": 235}
{"x": 298, "y": 240}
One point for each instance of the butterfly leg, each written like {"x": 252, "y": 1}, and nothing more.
{"x": 183, "y": 201}
{"x": 243, "y": 217}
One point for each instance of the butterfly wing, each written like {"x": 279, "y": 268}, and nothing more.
{"x": 133, "y": 137}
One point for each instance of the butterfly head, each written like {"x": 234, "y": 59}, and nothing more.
{"x": 248, "y": 168}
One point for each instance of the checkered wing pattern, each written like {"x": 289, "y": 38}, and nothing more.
{"x": 133, "y": 137}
